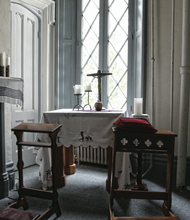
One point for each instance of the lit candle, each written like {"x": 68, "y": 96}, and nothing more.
{"x": 138, "y": 103}
{"x": 8, "y": 61}
{"x": 88, "y": 86}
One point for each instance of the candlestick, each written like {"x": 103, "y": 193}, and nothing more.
{"x": 138, "y": 102}
{"x": 78, "y": 106}
{"x": 7, "y": 71}
{"x": 2, "y": 63}
{"x": 88, "y": 99}
{"x": 2, "y": 70}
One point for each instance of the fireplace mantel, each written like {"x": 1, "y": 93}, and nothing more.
{"x": 11, "y": 91}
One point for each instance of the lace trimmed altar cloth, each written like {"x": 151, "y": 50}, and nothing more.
{"x": 81, "y": 128}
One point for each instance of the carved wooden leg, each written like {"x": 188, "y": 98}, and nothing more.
{"x": 20, "y": 164}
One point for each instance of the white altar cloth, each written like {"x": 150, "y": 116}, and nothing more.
{"x": 82, "y": 128}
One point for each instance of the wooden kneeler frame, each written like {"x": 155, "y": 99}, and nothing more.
{"x": 138, "y": 142}
{"x": 52, "y": 130}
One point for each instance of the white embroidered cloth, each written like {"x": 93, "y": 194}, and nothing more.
{"x": 81, "y": 128}
{"x": 85, "y": 128}
{"x": 11, "y": 90}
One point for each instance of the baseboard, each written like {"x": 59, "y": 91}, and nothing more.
{"x": 11, "y": 174}
{"x": 159, "y": 164}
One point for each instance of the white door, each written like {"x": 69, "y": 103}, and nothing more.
{"x": 25, "y": 64}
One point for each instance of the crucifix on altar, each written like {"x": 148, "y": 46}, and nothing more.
{"x": 99, "y": 75}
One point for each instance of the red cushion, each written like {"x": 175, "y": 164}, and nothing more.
{"x": 17, "y": 214}
{"x": 134, "y": 124}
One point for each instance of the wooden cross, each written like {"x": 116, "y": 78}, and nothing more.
{"x": 99, "y": 75}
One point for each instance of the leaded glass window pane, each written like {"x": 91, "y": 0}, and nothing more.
{"x": 90, "y": 46}
{"x": 117, "y": 54}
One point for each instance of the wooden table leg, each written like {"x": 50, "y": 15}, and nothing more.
{"x": 167, "y": 203}
{"x": 60, "y": 166}
{"x": 108, "y": 181}
{"x": 70, "y": 166}
{"x": 20, "y": 164}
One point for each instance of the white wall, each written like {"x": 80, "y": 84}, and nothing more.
{"x": 5, "y": 38}
{"x": 162, "y": 55}
{"x": 5, "y": 46}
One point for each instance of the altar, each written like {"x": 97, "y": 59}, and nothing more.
{"x": 81, "y": 128}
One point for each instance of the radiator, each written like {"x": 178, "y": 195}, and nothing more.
{"x": 92, "y": 155}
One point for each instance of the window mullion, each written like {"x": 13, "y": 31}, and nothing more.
{"x": 136, "y": 50}
{"x": 103, "y": 48}
{"x": 78, "y": 44}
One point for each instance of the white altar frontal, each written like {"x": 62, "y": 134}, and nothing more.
{"x": 82, "y": 128}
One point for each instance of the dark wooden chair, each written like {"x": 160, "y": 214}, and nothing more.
{"x": 161, "y": 142}
{"x": 52, "y": 130}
